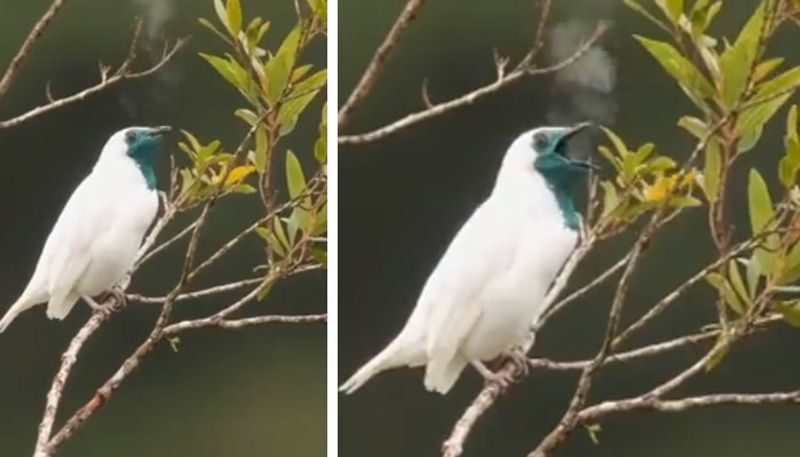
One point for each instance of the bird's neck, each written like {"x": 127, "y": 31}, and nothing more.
{"x": 145, "y": 159}
{"x": 533, "y": 193}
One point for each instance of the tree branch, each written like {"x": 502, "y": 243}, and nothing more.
{"x": 382, "y": 54}
{"x": 36, "y": 32}
{"x": 122, "y": 73}
{"x": 503, "y": 80}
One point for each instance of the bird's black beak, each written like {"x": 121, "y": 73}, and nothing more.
{"x": 161, "y": 130}
{"x": 574, "y": 130}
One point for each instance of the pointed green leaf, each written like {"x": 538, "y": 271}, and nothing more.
{"x": 737, "y": 60}
{"x": 280, "y": 66}
{"x": 234, "y": 13}
{"x": 726, "y": 292}
{"x": 693, "y": 83}
{"x": 294, "y": 175}
{"x": 790, "y": 311}
{"x": 759, "y": 202}
{"x": 711, "y": 171}
{"x": 737, "y": 282}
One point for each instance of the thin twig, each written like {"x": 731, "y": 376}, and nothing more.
{"x": 382, "y": 54}
{"x": 244, "y": 322}
{"x": 106, "y": 81}
{"x": 467, "y": 99}
{"x": 68, "y": 359}
{"x": 36, "y": 32}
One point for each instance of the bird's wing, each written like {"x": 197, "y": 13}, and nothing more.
{"x": 67, "y": 251}
{"x": 451, "y": 301}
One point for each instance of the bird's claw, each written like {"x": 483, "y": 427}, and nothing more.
{"x": 520, "y": 361}
{"x": 502, "y": 378}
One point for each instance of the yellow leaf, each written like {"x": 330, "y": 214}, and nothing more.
{"x": 660, "y": 189}
{"x": 239, "y": 174}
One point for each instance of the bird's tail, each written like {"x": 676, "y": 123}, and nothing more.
{"x": 440, "y": 375}
{"x": 396, "y": 354}
{"x": 58, "y": 308}
{"x": 19, "y": 306}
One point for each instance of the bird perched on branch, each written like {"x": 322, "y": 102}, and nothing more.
{"x": 489, "y": 286}
{"x": 95, "y": 239}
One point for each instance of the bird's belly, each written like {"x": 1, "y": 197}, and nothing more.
{"x": 511, "y": 305}
{"x": 111, "y": 258}
{"x": 502, "y": 325}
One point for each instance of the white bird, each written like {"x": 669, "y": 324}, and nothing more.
{"x": 95, "y": 239}
{"x": 489, "y": 286}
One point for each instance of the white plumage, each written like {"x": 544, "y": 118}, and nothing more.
{"x": 489, "y": 286}
{"x": 95, "y": 239}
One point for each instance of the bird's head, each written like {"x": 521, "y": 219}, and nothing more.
{"x": 538, "y": 159}
{"x": 544, "y": 151}
{"x": 140, "y": 144}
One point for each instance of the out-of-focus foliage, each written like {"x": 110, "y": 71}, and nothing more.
{"x": 736, "y": 89}
{"x": 276, "y": 88}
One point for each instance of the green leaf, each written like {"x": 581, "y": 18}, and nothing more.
{"x": 759, "y": 202}
{"x": 791, "y": 266}
{"x": 301, "y": 96}
{"x": 247, "y": 115}
{"x": 725, "y": 291}
{"x": 749, "y": 140}
{"x": 261, "y": 152}
{"x": 294, "y": 175}
{"x": 753, "y": 274}
{"x": 694, "y": 126}
{"x": 222, "y": 14}
{"x": 765, "y": 68}
{"x": 790, "y": 311}
{"x": 280, "y": 234}
{"x": 671, "y": 8}
{"x": 711, "y": 170}
{"x": 721, "y": 350}
{"x": 738, "y": 59}
{"x": 280, "y": 66}
{"x": 619, "y": 145}
{"x": 610, "y": 198}
{"x": 234, "y": 14}
{"x": 230, "y": 70}
{"x": 738, "y": 282}
{"x": 693, "y": 83}
{"x": 605, "y": 152}
{"x": 321, "y": 145}
{"x": 207, "y": 24}
{"x": 791, "y": 124}
{"x": 265, "y": 290}
{"x": 632, "y": 4}
{"x": 769, "y": 97}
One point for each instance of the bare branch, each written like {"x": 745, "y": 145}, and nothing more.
{"x": 244, "y": 322}
{"x": 198, "y": 294}
{"x": 123, "y": 73}
{"x": 471, "y": 97}
{"x": 684, "y": 404}
{"x": 373, "y": 71}
{"x": 36, "y": 32}
{"x": 68, "y": 359}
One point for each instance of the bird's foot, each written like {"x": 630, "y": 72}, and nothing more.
{"x": 520, "y": 361}
{"x": 109, "y": 305}
{"x": 501, "y": 378}
{"x": 119, "y": 297}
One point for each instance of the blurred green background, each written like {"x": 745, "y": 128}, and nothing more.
{"x": 259, "y": 391}
{"x": 402, "y": 200}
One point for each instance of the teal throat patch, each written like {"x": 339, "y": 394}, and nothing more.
{"x": 143, "y": 148}
{"x": 561, "y": 175}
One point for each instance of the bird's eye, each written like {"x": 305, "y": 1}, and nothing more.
{"x": 540, "y": 141}
{"x": 129, "y": 136}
